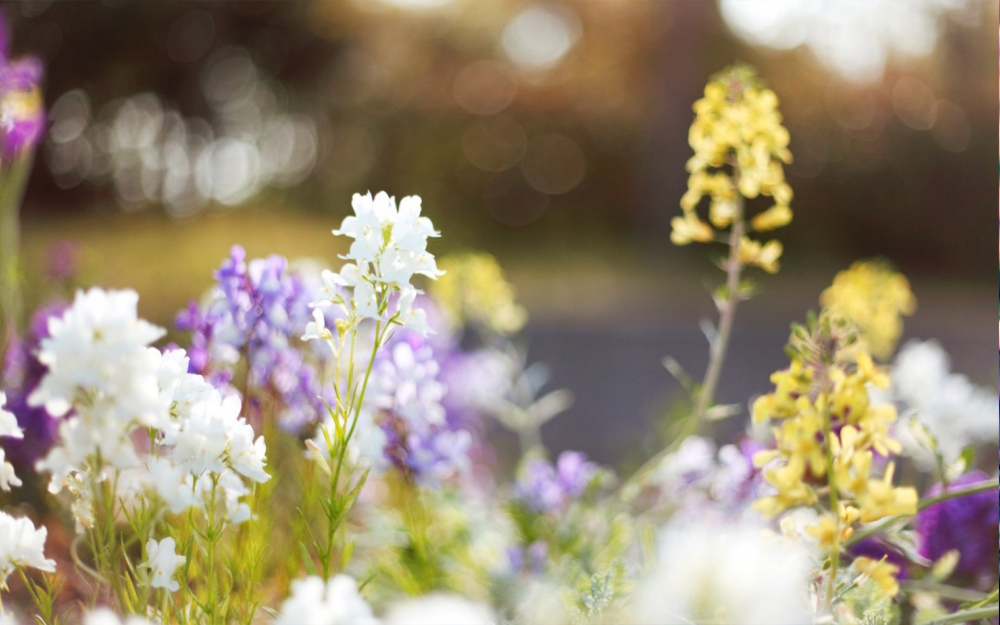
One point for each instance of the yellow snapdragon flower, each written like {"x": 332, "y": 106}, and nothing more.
{"x": 474, "y": 289}
{"x": 881, "y": 571}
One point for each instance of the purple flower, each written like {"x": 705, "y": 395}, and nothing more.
{"x": 544, "y": 488}
{"x": 968, "y": 524}
{"x": 63, "y": 259}
{"x": 22, "y": 374}
{"x": 22, "y": 114}
{"x": 257, "y": 312}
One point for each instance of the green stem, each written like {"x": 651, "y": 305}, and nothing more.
{"x": 12, "y": 187}
{"x": 965, "y": 616}
{"x": 943, "y": 590}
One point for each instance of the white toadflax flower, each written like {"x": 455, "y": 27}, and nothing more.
{"x": 725, "y": 574}
{"x": 8, "y": 427}
{"x": 162, "y": 560}
{"x": 21, "y": 545}
{"x": 8, "y": 421}
{"x": 440, "y": 609}
{"x": 956, "y": 412}
{"x": 335, "y": 602}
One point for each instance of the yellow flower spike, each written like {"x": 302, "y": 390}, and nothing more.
{"x": 881, "y": 571}
{"x": 474, "y": 289}
{"x": 764, "y": 457}
{"x": 775, "y": 217}
{"x": 875, "y": 425}
{"x": 792, "y": 490}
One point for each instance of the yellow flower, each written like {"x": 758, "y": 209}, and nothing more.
{"x": 874, "y": 297}
{"x": 775, "y": 217}
{"x": 689, "y": 228}
{"x": 792, "y": 490}
{"x": 881, "y": 571}
{"x": 881, "y": 499}
{"x": 764, "y": 256}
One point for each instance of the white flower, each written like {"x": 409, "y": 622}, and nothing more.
{"x": 336, "y": 602}
{"x": 726, "y": 573}
{"x": 104, "y": 616}
{"x": 21, "y": 545}
{"x": 97, "y": 349}
{"x": 440, "y": 609}
{"x": 162, "y": 560}
{"x": 8, "y": 421}
{"x": 174, "y": 485}
{"x": 7, "y": 476}
{"x": 316, "y": 329}
{"x": 956, "y": 412}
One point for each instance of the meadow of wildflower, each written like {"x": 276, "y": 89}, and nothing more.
{"x": 316, "y": 445}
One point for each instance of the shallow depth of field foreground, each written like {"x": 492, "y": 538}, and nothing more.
{"x": 443, "y": 312}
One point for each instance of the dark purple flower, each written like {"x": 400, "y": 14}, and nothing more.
{"x": 968, "y": 524}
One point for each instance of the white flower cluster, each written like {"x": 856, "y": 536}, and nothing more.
{"x": 21, "y": 545}
{"x": 105, "y": 616}
{"x": 955, "y": 411}
{"x": 737, "y": 572}
{"x": 338, "y": 602}
{"x": 335, "y": 602}
{"x": 390, "y": 247}
{"x": 101, "y": 366}
{"x": 8, "y": 427}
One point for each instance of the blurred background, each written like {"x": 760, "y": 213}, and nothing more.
{"x": 550, "y": 134}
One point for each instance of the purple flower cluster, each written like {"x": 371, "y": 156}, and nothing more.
{"x": 544, "y": 488}
{"x": 22, "y": 373}
{"x": 968, "y": 524}
{"x": 420, "y": 441}
{"x": 256, "y": 313}
{"x": 22, "y": 114}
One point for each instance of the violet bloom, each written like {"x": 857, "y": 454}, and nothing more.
{"x": 257, "y": 312}
{"x": 405, "y": 390}
{"x": 968, "y": 524}
{"x": 63, "y": 260}
{"x": 544, "y": 488}
{"x": 22, "y": 112}
{"x": 21, "y": 375}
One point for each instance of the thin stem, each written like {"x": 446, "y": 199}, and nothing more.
{"x": 831, "y": 476}
{"x": 944, "y": 590}
{"x": 727, "y": 314}
{"x": 12, "y": 187}
{"x": 965, "y": 616}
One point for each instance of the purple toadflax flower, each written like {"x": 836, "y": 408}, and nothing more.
{"x": 256, "y": 312}
{"x": 22, "y": 111}
{"x": 968, "y": 524}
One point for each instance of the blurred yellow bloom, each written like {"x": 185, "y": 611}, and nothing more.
{"x": 764, "y": 256}
{"x": 689, "y": 228}
{"x": 474, "y": 289}
{"x": 882, "y": 572}
{"x": 874, "y": 297}
{"x": 775, "y": 217}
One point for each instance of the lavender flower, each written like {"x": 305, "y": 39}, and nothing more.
{"x": 544, "y": 488}
{"x": 22, "y": 115}
{"x": 253, "y": 310}
{"x": 968, "y": 524}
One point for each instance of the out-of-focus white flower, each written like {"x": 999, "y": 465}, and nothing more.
{"x": 7, "y": 476}
{"x": 336, "y": 602}
{"x": 162, "y": 561}
{"x": 956, "y": 412}
{"x": 729, "y": 574}
{"x": 440, "y": 609}
{"x": 8, "y": 421}
{"x": 104, "y": 616}
{"x": 21, "y": 545}
{"x": 173, "y": 484}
